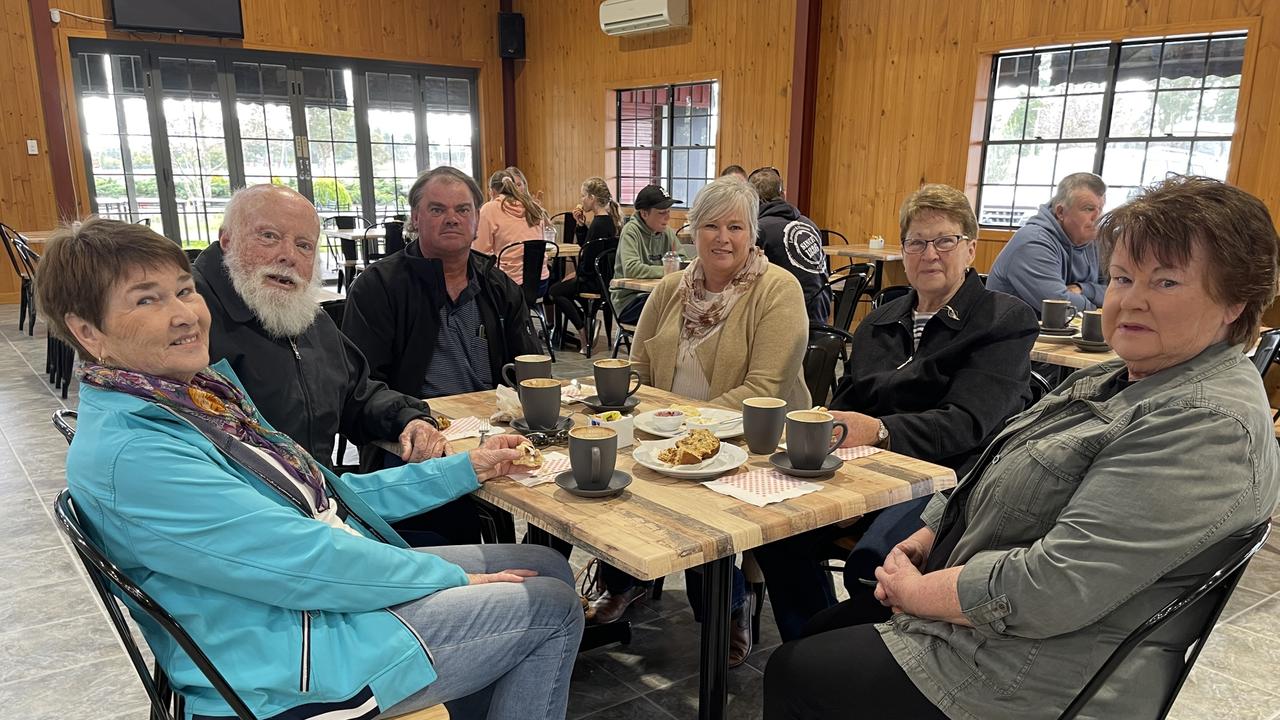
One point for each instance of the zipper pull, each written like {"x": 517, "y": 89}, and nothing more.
{"x": 904, "y": 362}
{"x": 297, "y": 355}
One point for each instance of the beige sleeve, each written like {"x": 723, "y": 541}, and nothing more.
{"x": 777, "y": 346}
{"x": 650, "y": 316}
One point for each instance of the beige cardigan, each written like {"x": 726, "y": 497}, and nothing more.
{"x": 759, "y": 350}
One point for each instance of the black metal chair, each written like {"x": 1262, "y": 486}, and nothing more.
{"x": 1039, "y": 388}
{"x": 825, "y": 234}
{"x": 846, "y": 286}
{"x": 826, "y": 348}
{"x": 106, "y": 577}
{"x": 346, "y": 255}
{"x": 65, "y": 422}
{"x": 889, "y": 294}
{"x": 604, "y": 270}
{"x": 592, "y": 293}
{"x": 25, "y": 269}
{"x": 392, "y": 241}
{"x": 534, "y": 254}
{"x": 1221, "y": 566}
{"x": 1267, "y": 351}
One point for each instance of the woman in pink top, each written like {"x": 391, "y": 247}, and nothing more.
{"x": 510, "y": 217}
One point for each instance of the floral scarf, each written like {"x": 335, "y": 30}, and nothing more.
{"x": 218, "y": 400}
{"x": 704, "y": 313}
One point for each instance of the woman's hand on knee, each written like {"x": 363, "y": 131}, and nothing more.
{"x": 511, "y": 576}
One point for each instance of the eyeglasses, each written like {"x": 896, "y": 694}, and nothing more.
{"x": 942, "y": 243}
{"x": 543, "y": 439}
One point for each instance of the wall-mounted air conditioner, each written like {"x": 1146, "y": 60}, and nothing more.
{"x": 628, "y": 17}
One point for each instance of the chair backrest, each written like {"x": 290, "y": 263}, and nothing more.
{"x": 1039, "y": 388}
{"x": 826, "y": 347}
{"x": 604, "y": 273}
{"x": 889, "y": 294}
{"x": 587, "y": 277}
{"x": 846, "y": 299}
{"x": 105, "y": 576}
{"x": 335, "y": 309}
{"x": 392, "y": 240}
{"x": 533, "y": 258}
{"x": 1221, "y": 567}
{"x": 28, "y": 257}
{"x": 8, "y": 235}
{"x": 192, "y": 253}
{"x": 65, "y": 422}
{"x": 1267, "y": 351}
{"x": 345, "y": 222}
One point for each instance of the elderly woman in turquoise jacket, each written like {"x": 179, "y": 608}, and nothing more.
{"x": 288, "y": 576}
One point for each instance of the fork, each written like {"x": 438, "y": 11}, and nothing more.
{"x": 485, "y": 429}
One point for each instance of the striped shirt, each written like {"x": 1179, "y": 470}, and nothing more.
{"x": 460, "y": 362}
{"x": 920, "y": 320}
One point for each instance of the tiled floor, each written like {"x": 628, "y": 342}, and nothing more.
{"x": 60, "y": 660}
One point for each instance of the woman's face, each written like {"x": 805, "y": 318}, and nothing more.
{"x": 587, "y": 201}
{"x": 1156, "y": 317}
{"x": 155, "y": 322}
{"x": 931, "y": 273}
{"x": 723, "y": 244}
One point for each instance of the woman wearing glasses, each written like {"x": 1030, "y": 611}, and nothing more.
{"x": 934, "y": 374}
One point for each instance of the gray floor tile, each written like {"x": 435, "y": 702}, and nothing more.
{"x": 593, "y": 689}
{"x": 746, "y": 696}
{"x": 1241, "y": 654}
{"x": 76, "y": 692}
{"x": 1208, "y": 694}
{"x": 40, "y": 567}
{"x": 661, "y": 653}
{"x": 28, "y": 527}
{"x": 26, "y": 607}
{"x": 26, "y": 654}
{"x": 1263, "y": 619}
{"x": 638, "y": 709}
{"x": 1241, "y": 600}
{"x": 1263, "y": 573}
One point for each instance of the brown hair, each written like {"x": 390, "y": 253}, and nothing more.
{"x": 597, "y": 188}
{"x": 81, "y": 264}
{"x": 733, "y": 170}
{"x": 1170, "y": 219}
{"x": 942, "y": 199}
{"x": 504, "y": 184}
{"x": 447, "y": 174}
{"x": 767, "y": 182}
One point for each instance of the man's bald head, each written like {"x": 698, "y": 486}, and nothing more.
{"x": 256, "y": 198}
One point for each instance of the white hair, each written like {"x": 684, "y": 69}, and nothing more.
{"x": 723, "y": 196}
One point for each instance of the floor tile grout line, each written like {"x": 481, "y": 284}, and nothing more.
{"x": 1233, "y": 616}
{"x": 39, "y": 376}
{"x": 54, "y": 672}
{"x": 38, "y": 626}
{"x": 1207, "y": 669}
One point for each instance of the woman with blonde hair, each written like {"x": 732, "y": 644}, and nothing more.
{"x": 597, "y": 217}
{"x": 510, "y": 217}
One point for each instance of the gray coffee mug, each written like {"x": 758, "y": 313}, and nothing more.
{"x": 612, "y": 376}
{"x": 809, "y": 437}
{"x": 593, "y": 451}
{"x": 540, "y": 400}
{"x": 1057, "y": 313}
{"x": 762, "y": 421}
{"x": 525, "y": 367}
{"x": 1091, "y": 325}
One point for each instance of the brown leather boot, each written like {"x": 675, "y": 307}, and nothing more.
{"x": 610, "y": 607}
{"x": 740, "y": 632}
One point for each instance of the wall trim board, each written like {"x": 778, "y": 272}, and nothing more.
{"x": 1251, "y": 23}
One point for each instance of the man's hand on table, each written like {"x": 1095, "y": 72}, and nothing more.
{"x": 420, "y": 440}
{"x": 863, "y": 429}
{"x": 493, "y": 458}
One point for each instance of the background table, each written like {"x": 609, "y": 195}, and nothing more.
{"x": 877, "y": 256}
{"x": 660, "y": 525}
{"x": 641, "y": 284}
{"x": 1066, "y": 354}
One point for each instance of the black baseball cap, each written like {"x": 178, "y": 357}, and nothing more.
{"x": 653, "y": 197}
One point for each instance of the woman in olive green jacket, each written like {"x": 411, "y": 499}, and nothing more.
{"x": 1090, "y": 511}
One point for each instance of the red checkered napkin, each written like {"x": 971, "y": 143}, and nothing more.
{"x": 853, "y": 453}
{"x": 761, "y": 487}
{"x": 553, "y": 463}
{"x": 467, "y": 427}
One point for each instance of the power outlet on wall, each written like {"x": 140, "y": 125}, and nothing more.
{"x": 33, "y": 148}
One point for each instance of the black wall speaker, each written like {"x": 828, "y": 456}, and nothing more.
{"x": 511, "y": 35}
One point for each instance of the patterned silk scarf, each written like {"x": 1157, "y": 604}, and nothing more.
{"x": 704, "y": 312}
{"x": 218, "y": 400}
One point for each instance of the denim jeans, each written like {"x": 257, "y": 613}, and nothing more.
{"x": 501, "y": 650}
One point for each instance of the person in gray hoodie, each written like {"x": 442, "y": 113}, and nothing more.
{"x": 644, "y": 239}
{"x": 1053, "y": 255}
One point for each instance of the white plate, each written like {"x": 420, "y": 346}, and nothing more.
{"x": 645, "y": 422}
{"x": 729, "y": 458}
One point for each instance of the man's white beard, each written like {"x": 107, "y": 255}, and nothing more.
{"x": 283, "y": 313}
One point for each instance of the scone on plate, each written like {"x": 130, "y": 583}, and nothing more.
{"x": 696, "y": 447}
{"x": 530, "y": 456}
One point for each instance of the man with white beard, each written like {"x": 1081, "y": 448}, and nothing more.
{"x": 305, "y": 376}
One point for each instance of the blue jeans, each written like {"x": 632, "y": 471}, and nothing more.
{"x": 501, "y": 650}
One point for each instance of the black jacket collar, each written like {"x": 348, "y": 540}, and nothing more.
{"x": 952, "y": 314}
{"x": 211, "y": 267}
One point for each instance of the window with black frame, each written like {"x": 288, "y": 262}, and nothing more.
{"x": 667, "y": 135}
{"x": 1132, "y": 112}
{"x": 169, "y": 132}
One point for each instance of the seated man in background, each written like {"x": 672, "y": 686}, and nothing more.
{"x": 1053, "y": 255}
{"x": 735, "y": 170}
{"x": 308, "y": 380}
{"x": 437, "y": 319}
{"x": 791, "y": 240}
{"x": 644, "y": 239}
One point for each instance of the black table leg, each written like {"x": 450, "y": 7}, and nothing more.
{"x": 713, "y": 687}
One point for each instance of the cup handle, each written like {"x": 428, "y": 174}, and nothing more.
{"x": 1072, "y": 312}
{"x": 844, "y": 433}
{"x": 635, "y": 387}
{"x": 509, "y": 374}
{"x": 595, "y": 462}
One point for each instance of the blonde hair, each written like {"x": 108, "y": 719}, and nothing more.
{"x": 598, "y": 189}
{"x": 723, "y": 196}
{"x": 504, "y": 184}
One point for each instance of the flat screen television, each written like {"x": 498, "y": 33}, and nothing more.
{"x": 218, "y": 18}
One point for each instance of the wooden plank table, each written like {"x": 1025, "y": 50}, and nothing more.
{"x": 877, "y": 256}
{"x": 660, "y": 525}
{"x": 1066, "y": 354}
{"x": 640, "y": 284}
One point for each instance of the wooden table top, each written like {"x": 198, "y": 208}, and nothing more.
{"x": 1066, "y": 354}
{"x": 323, "y": 295}
{"x": 641, "y": 284}
{"x": 864, "y": 252}
{"x": 660, "y": 525}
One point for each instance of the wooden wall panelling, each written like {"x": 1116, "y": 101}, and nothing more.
{"x": 26, "y": 183}
{"x": 572, "y": 67}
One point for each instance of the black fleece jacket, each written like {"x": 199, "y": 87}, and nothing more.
{"x": 945, "y": 400}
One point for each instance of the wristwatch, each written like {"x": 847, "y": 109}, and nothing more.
{"x": 882, "y": 435}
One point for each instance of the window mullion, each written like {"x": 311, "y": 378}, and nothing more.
{"x": 160, "y": 148}
{"x": 1108, "y": 105}
{"x": 301, "y": 142}
{"x": 364, "y": 147}
{"x": 231, "y": 124}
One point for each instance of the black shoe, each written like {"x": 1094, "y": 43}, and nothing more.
{"x": 740, "y": 632}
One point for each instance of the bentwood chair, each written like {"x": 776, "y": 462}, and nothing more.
{"x": 893, "y": 292}
{"x": 604, "y": 271}
{"x": 25, "y": 269}
{"x": 1181, "y": 627}
{"x": 592, "y": 293}
{"x": 1039, "y": 388}
{"x": 533, "y": 258}
{"x": 826, "y": 348}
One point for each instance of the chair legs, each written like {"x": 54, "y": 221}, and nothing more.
{"x": 24, "y": 297}
{"x": 538, "y": 314}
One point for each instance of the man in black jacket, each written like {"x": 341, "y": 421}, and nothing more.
{"x": 308, "y": 380}
{"x": 436, "y": 319}
{"x": 792, "y": 241}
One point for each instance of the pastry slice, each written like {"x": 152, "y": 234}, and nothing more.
{"x": 696, "y": 447}
{"x": 530, "y": 456}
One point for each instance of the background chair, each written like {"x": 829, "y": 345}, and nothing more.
{"x": 392, "y": 241}
{"x": 592, "y": 293}
{"x": 604, "y": 270}
{"x": 534, "y": 254}
{"x": 846, "y": 287}
{"x": 346, "y": 255}
{"x": 889, "y": 294}
{"x": 825, "y": 234}
{"x": 1039, "y": 388}
{"x": 826, "y": 348}
{"x": 26, "y": 272}
{"x": 1187, "y": 620}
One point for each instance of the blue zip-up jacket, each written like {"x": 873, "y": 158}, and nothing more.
{"x": 292, "y": 611}
{"x": 1039, "y": 262}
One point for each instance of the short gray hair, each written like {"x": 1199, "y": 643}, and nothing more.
{"x": 723, "y": 196}
{"x": 1074, "y": 182}
{"x": 233, "y": 214}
